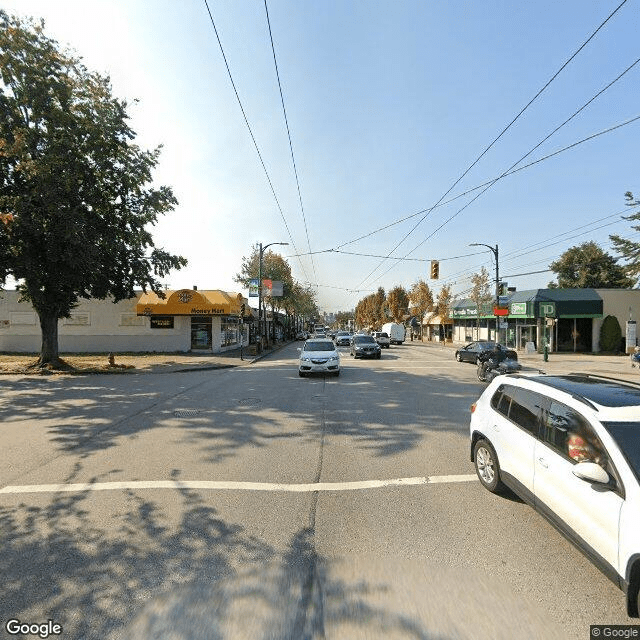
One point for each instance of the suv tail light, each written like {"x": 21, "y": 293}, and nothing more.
{"x": 472, "y": 408}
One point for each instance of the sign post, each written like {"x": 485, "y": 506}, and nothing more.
{"x": 547, "y": 310}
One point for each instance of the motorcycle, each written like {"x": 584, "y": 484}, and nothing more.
{"x": 489, "y": 369}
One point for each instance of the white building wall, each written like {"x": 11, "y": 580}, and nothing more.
{"x": 624, "y": 304}
{"x": 95, "y": 326}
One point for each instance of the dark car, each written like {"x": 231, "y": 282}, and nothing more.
{"x": 363, "y": 346}
{"x": 342, "y": 339}
{"x": 471, "y": 352}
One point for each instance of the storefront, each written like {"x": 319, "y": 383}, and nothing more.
{"x": 185, "y": 320}
{"x": 564, "y": 319}
{"x": 214, "y": 316}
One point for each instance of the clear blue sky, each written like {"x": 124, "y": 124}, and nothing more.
{"x": 388, "y": 103}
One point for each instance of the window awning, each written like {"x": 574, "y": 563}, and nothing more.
{"x": 189, "y": 302}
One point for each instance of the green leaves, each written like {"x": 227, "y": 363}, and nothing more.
{"x": 77, "y": 186}
{"x": 588, "y": 266}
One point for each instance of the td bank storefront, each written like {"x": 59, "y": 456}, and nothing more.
{"x": 204, "y": 320}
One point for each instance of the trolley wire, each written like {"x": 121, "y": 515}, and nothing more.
{"x": 535, "y": 97}
{"x": 293, "y": 159}
{"x": 253, "y": 138}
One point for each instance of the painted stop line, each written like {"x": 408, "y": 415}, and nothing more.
{"x": 222, "y": 485}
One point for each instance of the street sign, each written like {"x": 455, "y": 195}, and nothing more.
{"x": 547, "y": 310}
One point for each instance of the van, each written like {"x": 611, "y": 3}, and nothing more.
{"x": 395, "y": 331}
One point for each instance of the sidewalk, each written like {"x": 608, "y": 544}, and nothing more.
{"x": 563, "y": 363}
{"x": 127, "y": 363}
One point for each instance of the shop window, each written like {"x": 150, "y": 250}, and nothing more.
{"x": 161, "y": 322}
{"x": 230, "y": 329}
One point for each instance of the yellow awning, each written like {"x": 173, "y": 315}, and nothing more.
{"x": 189, "y": 302}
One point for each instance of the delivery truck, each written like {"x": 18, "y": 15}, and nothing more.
{"x": 395, "y": 331}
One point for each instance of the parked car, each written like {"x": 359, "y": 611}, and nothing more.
{"x": 302, "y": 335}
{"x": 472, "y": 351}
{"x": 569, "y": 445}
{"x": 318, "y": 355}
{"x": 382, "y": 338}
{"x": 363, "y": 346}
{"x": 342, "y": 339}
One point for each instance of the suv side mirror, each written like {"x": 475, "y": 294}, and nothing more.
{"x": 591, "y": 472}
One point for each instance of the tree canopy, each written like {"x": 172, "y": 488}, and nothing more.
{"x": 443, "y": 303}
{"x": 587, "y": 265}
{"x": 398, "y": 303}
{"x": 627, "y": 249}
{"x": 76, "y": 199}
{"x": 296, "y": 299}
{"x": 421, "y": 298}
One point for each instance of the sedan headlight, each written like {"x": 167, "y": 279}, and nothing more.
{"x": 305, "y": 359}
{"x": 333, "y": 358}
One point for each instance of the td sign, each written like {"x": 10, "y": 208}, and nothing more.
{"x": 547, "y": 310}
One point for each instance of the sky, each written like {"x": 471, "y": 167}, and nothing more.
{"x": 388, "y": 104}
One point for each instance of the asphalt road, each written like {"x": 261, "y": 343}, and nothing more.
{"x": 251, "y": 503}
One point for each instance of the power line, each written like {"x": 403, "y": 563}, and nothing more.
{"x": 293, "y": 159}
{"x": 493, "y": 182}
{"x": 253, "y": 138}
{"x": 535, "y": 97}
{"x": 488, "y": 182}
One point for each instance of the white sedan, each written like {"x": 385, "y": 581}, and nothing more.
{"x": 319, "y": 355}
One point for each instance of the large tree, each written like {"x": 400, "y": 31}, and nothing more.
{"x": 628, "y": 250}
{"x": 398, "y": 303}
{"x": 296, "y": 297}
{"x": 480, "y": 294}
{"x": 421, "y": 298}
{"x": 588, "y": 266}
{"x": 75, "y": 191}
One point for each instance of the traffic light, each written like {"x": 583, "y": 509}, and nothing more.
{"x": 435, "y": 269}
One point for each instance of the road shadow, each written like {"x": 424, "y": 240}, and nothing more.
{"x": 142, "y": 572}
{"x": 385, "y": 411}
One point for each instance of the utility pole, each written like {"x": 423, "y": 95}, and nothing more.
{"x": 495, "y": 254}
{"x": 260, "y": 284}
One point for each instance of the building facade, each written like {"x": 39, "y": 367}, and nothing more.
{"x": 185, "y": 320}
{"x": 566, "y": 320}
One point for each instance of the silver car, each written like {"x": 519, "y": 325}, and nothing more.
{"x": 319, "y": 355}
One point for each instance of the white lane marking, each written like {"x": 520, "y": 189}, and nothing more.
{"x": 221, "y": 485}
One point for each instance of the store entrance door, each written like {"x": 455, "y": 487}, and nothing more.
{"x": 200, "y": 332}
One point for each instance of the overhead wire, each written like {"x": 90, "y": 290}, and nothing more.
{"x": 253, "y": 138}
{"x": 293, "y": 159}
{"x": 495, "y": 180}
{"x": 504, "y": 130}
{"x": 484, "y": 184}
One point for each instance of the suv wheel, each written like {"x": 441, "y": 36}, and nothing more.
{"x": 487, "y": 466}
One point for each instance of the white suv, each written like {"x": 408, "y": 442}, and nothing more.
{"x": 570, "y": 447}
{"x": 382, "y": 338}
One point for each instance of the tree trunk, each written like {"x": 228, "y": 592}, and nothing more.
{"x": 49, "y": 357}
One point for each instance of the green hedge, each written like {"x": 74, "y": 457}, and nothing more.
{"x": 610, "y": 335}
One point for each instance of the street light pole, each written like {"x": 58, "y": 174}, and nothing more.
{"x": 495, "y": 254}
{"x": 260, "y": 284}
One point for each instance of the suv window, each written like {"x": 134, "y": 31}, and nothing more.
{"x": 522, "y": 406}
{"x": 569, "y": 433}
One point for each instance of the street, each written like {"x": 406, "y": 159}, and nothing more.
{"x": 251, "y": 503}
